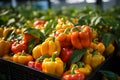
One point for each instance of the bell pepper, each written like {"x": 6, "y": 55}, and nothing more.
{"x": 73, "y": 74}
{"x": 22, "y": 58}
{"x": 93, "y": 59}
{"x": 19, "y": 47}
{"x": 65, "y": 54}
{"x": 49, "y": 46}
{"x": 39, "y": 24}
{"x": 36, "y": 65}
{"x": 28, "y": 37}
{"x": 100, "y": 47}
{"x": 53, "y": 65}
{"x": 81, "y": 37}
{"x": 36, "y": 52}
{"x": 86, "y": 69}
{"x": 63, "y": 24}
{"x": 8, "y": 57}
{"x": 64, "y": 38}
{"x": 109, "y": 49}
{"x": 4, "y": 47}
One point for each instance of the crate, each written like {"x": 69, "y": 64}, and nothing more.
{"x": 16, "y": 71}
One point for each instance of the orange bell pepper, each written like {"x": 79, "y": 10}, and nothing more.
{"x": 81, "y": 36}
{"x": 22, "y": 57}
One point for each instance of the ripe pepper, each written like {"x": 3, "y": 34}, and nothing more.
{"x": 86, "y": 69}
{"x": 19, "y": 47}
{"x": 36, "y": 65}
{"x": 8, "y": 57}
{"x": 73, "y": 74}
{"x": 100, "y": 47}
{"x": 49, "y": 46}
{"x": 53, "y": 65}
{"x": 109, "y": 49}
{"x": 81, "y": 36}
{"x": 36, "y": 52}
{"x": 4, "y": 47}
{"x": 64, "y": 38}
{"x": 22, "y": 57}
{"x": 65, "y": 54}
{"x": 94, "y": 59}
{"x": 64, "y": 24}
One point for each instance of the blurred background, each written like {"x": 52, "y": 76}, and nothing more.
{"x": 57, "y": 4}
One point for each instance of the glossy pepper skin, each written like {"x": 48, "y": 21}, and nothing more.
{"x": 36, "y": 52}
{"x": 53, "y": 66}
{"x": 36, "y": 65}
{"x": 86, "y": 69}
{"x": 109, "y": 49}
{"x": 73, "y": 74}
{"x": 64, "y": 37}
{"x": 19, "y": 47}
{"x": 22, "y": 58}
{"x": 4, "y": 47}
{"x": 65, "y": 54}
{"x": 81, "y": 36}
{"x": 49, "y": 46}
{"x": 94, "y": 60}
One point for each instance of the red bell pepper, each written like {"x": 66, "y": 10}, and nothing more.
{"x": 65, "y": 54}
{"x": 19, "y": 47}
{"x": 36, "y": 65}
{"x": 38, "y": 22}
{"x": 73, "y": 74}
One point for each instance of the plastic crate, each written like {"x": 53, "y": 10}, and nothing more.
{"x": 17, "y": 71}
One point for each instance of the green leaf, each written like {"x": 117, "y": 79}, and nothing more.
{"x": 107, "y": 38}
{"x": 110, "y": 75}
{"x": 77, "y": 55}
{"x": 31, "y": 45}
{"x": 98, "y": 20}
{"x": 93, "y": 20}
{"x": 35, "y": 32}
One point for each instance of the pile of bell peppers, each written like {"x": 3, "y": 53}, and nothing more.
{"x": 55, "y": 53}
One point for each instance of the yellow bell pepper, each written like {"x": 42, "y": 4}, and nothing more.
{"x": 49, "y": 46}
{"x": 53, "y": 65}
{"x": 64, "y": 24}
{"x": 100, "y": 47}
{"x": 36, "y": 52}
{"x": 94, "y": 60}
{"x": 4, "y": 47}
{"x": 86, "y": 69}
{"x": 110, "y": 49}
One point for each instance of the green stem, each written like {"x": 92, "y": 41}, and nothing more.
{"x": 54, "y": 55}
{"x": 73, "y": 69}
{"x": 23, "y": 53}
{"x": 67, "y": 30}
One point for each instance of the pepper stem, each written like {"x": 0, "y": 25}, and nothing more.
{"x": 73, "y": 68}
{"x": 54, "y": 55}
{"x": 76, "y": 29}
{"x": 23, "y": 53}
{"x": 67, "y": 30}
{"x": 80, "y": 64}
